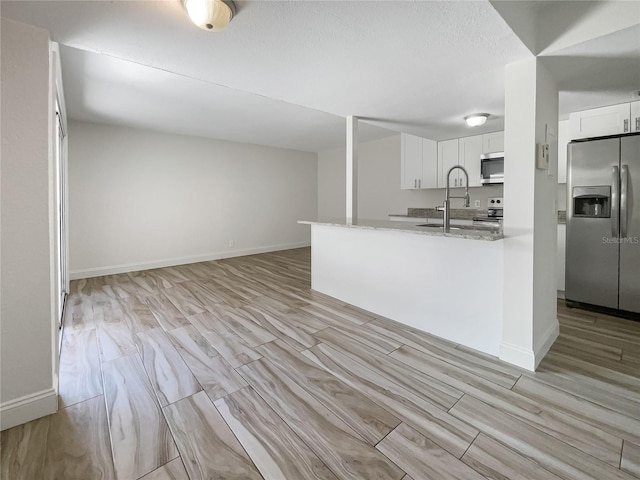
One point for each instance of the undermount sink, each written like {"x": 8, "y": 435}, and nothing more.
{"x": 460, "y": 227}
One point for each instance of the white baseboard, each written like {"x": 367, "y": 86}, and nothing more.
{"x": 561, "y": 294}
{"x": 135, "y": 267}
{"x": 546, "y": 341}
{"x": 27, "y": 408}
{"x": 526, "y": 358}
{"x": 518, "y": 356}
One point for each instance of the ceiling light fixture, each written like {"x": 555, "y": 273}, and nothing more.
{"x": 211, "y": 15}
{"x": 476, "y": 119}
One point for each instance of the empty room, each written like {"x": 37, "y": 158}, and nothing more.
{"x": 291, "y": 240}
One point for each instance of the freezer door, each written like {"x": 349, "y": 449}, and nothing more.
{"x": 630, "y": 224}
{"x": 592, "y": 248}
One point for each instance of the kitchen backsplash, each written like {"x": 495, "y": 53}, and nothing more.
{"x": 457, "y": 213}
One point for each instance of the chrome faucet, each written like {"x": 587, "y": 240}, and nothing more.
{"x": 446, "y": 206}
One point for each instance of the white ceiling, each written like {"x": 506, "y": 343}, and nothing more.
{"x": 104, "y": 89}
{"x": 597, "y": 72}
{"x": 592, "y": 48}
{"x": 417, "y": 67}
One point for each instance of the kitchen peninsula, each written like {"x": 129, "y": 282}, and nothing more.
{"x": 447, "y": 284}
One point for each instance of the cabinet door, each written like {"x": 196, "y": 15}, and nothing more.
{"x": 599, "y": 122}
{"x": 411, "y": 163}
{"x": 470, "y": 149}
{"x": 429, "y": 164}
{"x": 493, "y": 142}
{"x": 635, "y": 116}
{"x": 564, "y": 137}
{"x": 447, "y": 158}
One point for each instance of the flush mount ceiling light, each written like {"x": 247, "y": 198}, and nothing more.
{"x": 211, "y": 15}
{"x": 476, "y": 119}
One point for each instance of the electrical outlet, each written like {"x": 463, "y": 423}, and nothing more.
{"x": 477, "y": 203}
{"x": 232, "y": 243}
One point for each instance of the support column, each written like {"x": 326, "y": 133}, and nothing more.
{"x": 530, "y": 324}
{"x": 352, "y": 170}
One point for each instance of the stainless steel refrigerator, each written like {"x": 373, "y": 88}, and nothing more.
{"x": 603, "y": 223}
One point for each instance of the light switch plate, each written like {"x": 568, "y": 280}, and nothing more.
{"x": 542, "y": 156}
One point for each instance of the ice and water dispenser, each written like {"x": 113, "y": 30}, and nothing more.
{"x": 594, "y": 202}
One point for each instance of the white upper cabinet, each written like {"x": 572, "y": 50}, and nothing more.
{"x": 599, "y": 122}
{"x": 411, "y": 164}
{"x": 425, "y": 163}
{"x": 447, "y": 158}
{"x": 564, "y": 137}
{"x": 493, "y": 142}
{"x": 469, "y": 151}
{"x": 635, "y": 116}
{"x": 429, "y": 163}
{"x": 419, "y": 164}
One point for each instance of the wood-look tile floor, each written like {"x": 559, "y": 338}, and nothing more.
{"x": 235, "y": 369}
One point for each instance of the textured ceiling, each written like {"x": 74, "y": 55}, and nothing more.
{"x": 602, "y": 71}
{"x": 592, "y": 48}
{"x": 104, "y": 89}
{"x": 417, "y": 67}
{"x": 411, "y": 66}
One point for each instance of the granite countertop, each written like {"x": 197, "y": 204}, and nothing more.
{"x": 456, "y": 213}
{"x": 459, "y": 214}
{"x": 475, "y": 233}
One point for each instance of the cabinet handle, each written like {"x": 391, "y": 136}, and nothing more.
{"x": 626, "y": 125}
{"x": 420, "y": 183}
{"x": 455, "y": 182}
{"x": 637, "y": 124}
{"x": 415, "y": 183}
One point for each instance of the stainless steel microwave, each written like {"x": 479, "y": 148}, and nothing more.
{"x": 492, "y": 168}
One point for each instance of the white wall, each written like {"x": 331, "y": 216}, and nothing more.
{"x": 140, "y": 199}
{"x": 379, "y": 192}
{"x": 561, "y": 199}
{"x": 28, "y": 330}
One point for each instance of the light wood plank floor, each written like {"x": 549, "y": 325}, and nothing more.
{"x": 236, "y": 369}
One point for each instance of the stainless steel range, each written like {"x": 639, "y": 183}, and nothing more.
{"x": 494, "y": 213}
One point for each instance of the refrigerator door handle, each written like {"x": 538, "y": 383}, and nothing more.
{"x": 624, "y": 193}
{"x": 615, "y": 215}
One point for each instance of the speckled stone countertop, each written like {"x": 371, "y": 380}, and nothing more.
{"x": 459, "y": 214}
{"x": 475, "y": 233}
